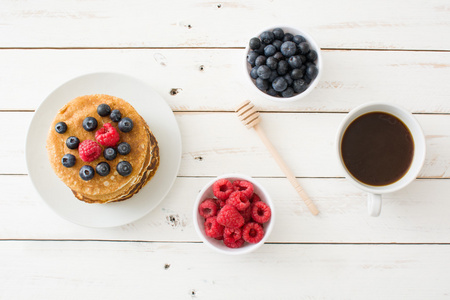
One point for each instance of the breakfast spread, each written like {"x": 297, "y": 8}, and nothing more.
{"x": 102, "y": 149}
{"x": 282, "y": 64}
{"x": 236, "y": 214}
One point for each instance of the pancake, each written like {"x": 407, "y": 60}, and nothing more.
{"x": 144, "y": 155}
{"x": 128, "y": 191}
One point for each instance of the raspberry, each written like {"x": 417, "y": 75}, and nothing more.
{"x": 261, "y": 212}
{"x": 221, "y": 203}
{"x": 247, "y": 214}
{"x": 222, "y": 189}
{"x": 208, "y": 208}
{"x": 107, "y": 135}
{"x": 244, "y": 186}
{"x": 229, "y": 233}
{"x": 231, "y": 243}
{"x": 255, "y": 198}
{"x": 229, "y": 216}
{"x": 239, "y": 200}
{"x": 213, "y": 228}
{"x": 89, "y": 150}
{"x": 253, "y": 232}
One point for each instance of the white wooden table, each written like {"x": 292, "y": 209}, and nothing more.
{"x": 191, "y": 53}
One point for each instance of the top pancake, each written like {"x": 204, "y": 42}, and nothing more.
{"x": 73, "y": 114}
{"x": 133, "y": 187}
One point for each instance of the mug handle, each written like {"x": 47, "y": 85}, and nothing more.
{"x": 374, "y": 204}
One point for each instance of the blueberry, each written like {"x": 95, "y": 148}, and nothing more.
{"x": 304, "y": 48}
{"x": 263, "y": 72}
{"x": 278, "y": 33}
{"x": 303, "y": 68}
{"x": 254, "y": 43}
{"x": 90, "y": 124}
{"x": 253, "y": 73}
{"x": 87, "y": 172}
{"x": 283, "y": 67}
{"x": 61, "y": 127}
{"x": 109, "y": 153}
{"x": 68, "y": 160}
{"x": 296, "y": 74}
{"x": 103, "y": 169}
{"x": 288, "y": 37}
{"x": 298, "y": 39}
{"x": 306, "y": 79}
{"x": 270, "y": 50}
{"x": 299, "y": 86}
{"x": 303, "y": 58}
{"x": 251, "y": 57}
{"x": 279, "y": 55}
{"x": 312, "y": 55}
{"x": 260, "y": 60}
{"x": 260, "y": 51}
{"x": 103, "y": 110}
{"x": 124, "y": 148}
{"x": 115, "y": 115}
{"x": 288, "y": 48}
{"x": 125, "y": 125}
{"x": 267, "y": 37}
{"x": 72, "y": 142}
{"x": 272, "y": 63}
{"x": 272, "y": 92}
{"x": 288, "y": 79}
{"x": 312, "y": 71}
{"x": 310, "y": 63}
{"x": 124, "y": 168}
{"x": 277, "y": 44}
{"x": 289, "y": 92}
{"x": 262, "y": 84}
{"x": 273, "y": 75}
{"x": 295, "y": 61}
{"x": 279, "y": 84}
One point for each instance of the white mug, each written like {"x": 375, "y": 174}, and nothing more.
{"x": 375, "y": 192}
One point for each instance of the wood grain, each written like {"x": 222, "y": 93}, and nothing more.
{"x": 307, "y": 147}
{"x": 92, "y": 270}
{"x": 191, "y": 52}
{"x": 416, "y": 214}
{"x": 346, "y": 24}
{"x": 214, "y": 80}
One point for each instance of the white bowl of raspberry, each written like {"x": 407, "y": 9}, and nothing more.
{"x": 282, "y": 63}
{"x": 233, "y": 214}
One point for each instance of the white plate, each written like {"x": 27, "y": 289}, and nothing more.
{"x": 158, "y": 115}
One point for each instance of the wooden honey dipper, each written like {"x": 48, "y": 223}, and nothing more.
{"x": 249, "y": 116}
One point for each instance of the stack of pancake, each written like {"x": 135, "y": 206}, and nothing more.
{"x": 144, "y": 155}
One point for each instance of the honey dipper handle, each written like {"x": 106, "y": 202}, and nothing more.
{"x": 290, "y": 176}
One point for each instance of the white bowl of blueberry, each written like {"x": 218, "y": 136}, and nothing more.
{"x": 283, "y": 63}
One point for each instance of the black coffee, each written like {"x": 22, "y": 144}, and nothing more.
{"x": 377, "y": 148}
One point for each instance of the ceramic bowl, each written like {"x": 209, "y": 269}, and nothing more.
{"x": 312, "y": 85}
{"x": 218, "y": 245}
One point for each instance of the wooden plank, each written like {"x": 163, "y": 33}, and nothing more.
{"x": 416, "y": 214}
{"x": 213, "y": 79}
{"x": 89, "y": 270}
{"x": 308, "y": 147}
{"x": 382, "y": 24}
{"x": 13, "y": 136}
